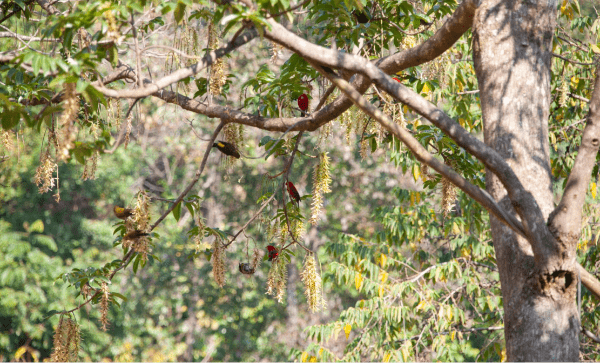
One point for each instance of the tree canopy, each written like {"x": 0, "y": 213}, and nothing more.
{"x": 318, "y": 181}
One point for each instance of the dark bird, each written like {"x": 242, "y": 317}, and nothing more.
{"x": 273, "y": 253}
{"x": 122, "y": 213}
{"x": 293, "y": 192}
{"x": 361, "y": 16}
{"x": 303, "y": 104}
{"x": 134, "y": 235}
{"x": 329, "y": 70}
{"x": 246, "y": 268}
{"x": 227, "y": 149}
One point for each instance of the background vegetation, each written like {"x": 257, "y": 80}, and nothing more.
{"x": 406, "y": 261}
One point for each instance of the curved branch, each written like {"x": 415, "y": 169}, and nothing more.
{"x": 265, "y": 203}
{"x": 180, "y": 74}
{"x": 479, "y": 195}
{"x": 457, "y": 24}
{"x": 50, "y": 9}
{"x": 565, "y": 220}
{"x": 524, "y": 203}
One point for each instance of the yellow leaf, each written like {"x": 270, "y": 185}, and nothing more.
{"x": 441, "y": 313}
{"x": 312, "y": 358}
{"x": 387, "y": 356}
{"x": 593, "y": 188}
{"x": 304, "y": 357}
{"x": 422, "y": 305}
{"x": 406, "y": 351}
{"x": 20, "y": 352}
{"x": 453, "y": 335}
{"x": 574, "y": 81}
{"x": 455, "y": 228}
{"x": 416, "y": 172}
{"x": 383, "y": 262}
{"x": 384, "y": 276}
{"x": 462, "y": 122}
{"x": 595, "y": 49}
{"x": 564, "y": 6}
{"x": 347, "y": 330}
{"x": 464, "y": 252}
{"x": 381, "y": 290}
{"x": 417, "y": 123}
{"x": 406, "y": 109}
{"x": 320, "y": 353}
{"x": 358, "y": 279}
{"x": 503, "y": 355}
{"x": 425, "y": 88}
{"x": 459, "y": 86}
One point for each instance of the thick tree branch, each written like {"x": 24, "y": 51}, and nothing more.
{"x": 180, "y": 74}
{"x": 565, "y": 220}
{"x": 524, "y": 203}
{"x": 481, "y": 196}
{"x": 50, "y": 9}
{"x": 458, "y": 23}
{"x": 589, "y": 281}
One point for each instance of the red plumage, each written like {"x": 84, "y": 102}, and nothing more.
{"x": 303, "y": 103}
{"x": 293, "y": 192}
{"x": 396, "y": 79}
{"x": 273, "y": 253}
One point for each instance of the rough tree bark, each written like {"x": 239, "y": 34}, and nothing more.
{"x": 512, "y": 54}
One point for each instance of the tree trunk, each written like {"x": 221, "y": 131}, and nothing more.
{"x": 512, "y": 51}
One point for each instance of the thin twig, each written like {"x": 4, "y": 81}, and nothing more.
{"x": 265, "y": 203}
{"x": 195, "y": 180}
{"x": 283, "y": 186}
{"x": 590, "y": 335}
{"x": 288, "y": 10}
{"x": 577, "y": 97}
{"x": 571, "y": 61}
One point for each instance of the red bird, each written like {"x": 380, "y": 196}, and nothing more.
{"x": 396, "y": 79}
{"x": 303, "y": 104}
{"x": 273, "y": 253}
{"x": 293, "y": 192}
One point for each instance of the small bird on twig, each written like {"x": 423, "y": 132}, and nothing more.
{"x": 273, "y": 252}
{"x": 293, "y": 192}
{"x": 227, "y": 149}
{"x": 122, "y": 213}
{"x": 134, "y": 235}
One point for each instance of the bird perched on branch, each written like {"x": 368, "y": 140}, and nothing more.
{"x": 246, "y": 268}
{"x": 303, "y": 104}
{"x": 227, "y": 149}
{"x": 293, "y": 192}
{"x": 273, "y": 252}
{"x": 361, "y": 16}
{"x": 122, "y": 213}
{"x": 134, "y": 235}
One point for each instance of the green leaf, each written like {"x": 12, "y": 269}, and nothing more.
{"x": 190, "y": 207}
{"x": 113, "y": 56}
{"x": 177, "y": 211}
{"x": 116, "y": 294}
